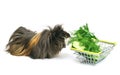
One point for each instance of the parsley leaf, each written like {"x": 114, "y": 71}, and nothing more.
{"x": 85, "y": 39}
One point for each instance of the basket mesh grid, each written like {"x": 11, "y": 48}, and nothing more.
{"x": 93, "y": 58}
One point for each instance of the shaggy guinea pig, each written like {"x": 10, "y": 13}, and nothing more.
{"x": 46, "y": 44}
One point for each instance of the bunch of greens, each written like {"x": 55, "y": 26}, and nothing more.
{"x": 83, "y": 39}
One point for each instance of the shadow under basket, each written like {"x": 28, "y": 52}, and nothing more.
{"x": 88, "y": 57}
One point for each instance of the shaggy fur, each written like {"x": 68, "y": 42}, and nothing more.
{"x": 46, "y": 44}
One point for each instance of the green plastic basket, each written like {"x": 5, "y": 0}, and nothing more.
{"x": 93, "y": 58}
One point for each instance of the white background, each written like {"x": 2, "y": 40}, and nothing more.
{"x": 102, "y": 17}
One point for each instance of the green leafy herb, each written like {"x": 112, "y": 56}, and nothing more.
{"x": 84, "y": 39}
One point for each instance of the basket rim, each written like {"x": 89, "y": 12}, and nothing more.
{"x": 84, "y": 51}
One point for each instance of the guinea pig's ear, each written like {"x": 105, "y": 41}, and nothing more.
{"x": 57, "y": 28}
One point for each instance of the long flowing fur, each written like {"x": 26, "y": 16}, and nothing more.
{"x": 46, "y": 44}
